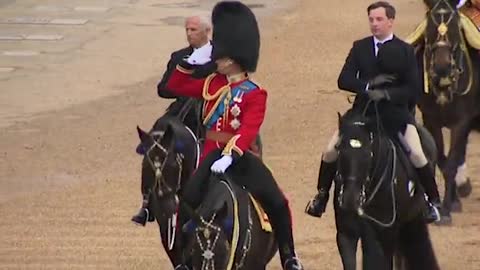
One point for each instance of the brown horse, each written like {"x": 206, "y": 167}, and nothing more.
{"x": 450, "y": 72}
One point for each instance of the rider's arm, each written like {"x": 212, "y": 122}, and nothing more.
{"x": 253, "y": 115}
{"x": 348, "y": 79}
{"x": 181, "y": 83}
{"x": 408, "y": 92}
{"x": 161, "y": 87}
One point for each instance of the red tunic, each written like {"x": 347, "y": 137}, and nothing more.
{"x": 242, "y": 118}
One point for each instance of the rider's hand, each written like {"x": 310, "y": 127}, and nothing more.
{"x": 201, "y": 55}
{"x": 377, "y": 95}
{"x": 379, "y": 80}
{"x": 221, "y": 165}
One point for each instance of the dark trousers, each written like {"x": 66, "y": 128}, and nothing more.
{"x": 249, "y": 171}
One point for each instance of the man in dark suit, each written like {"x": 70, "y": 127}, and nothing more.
{"x": 198, "y": 31}
{"x": 360, "y": 75}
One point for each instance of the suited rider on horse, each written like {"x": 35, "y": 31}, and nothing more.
{"x": 361, "y": 76}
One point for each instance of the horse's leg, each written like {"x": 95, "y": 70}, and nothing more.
{"x": 163, "y": 228}
{"x": 347, "y": 246}
{"x": 458, "y": 147}
{"x": 399, "y": 260}
{"x": 377, "y": 249}
{"x": 436, "y": 130}
{"x": 464, "y": 186}
{"x": 416, "y": 247}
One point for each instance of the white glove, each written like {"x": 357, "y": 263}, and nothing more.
{"x": 221, "y": 165}
{"x": 201, "y": 55}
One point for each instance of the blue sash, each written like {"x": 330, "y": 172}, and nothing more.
{"x": 244, "y": 87}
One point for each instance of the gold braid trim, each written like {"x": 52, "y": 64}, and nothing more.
{"x": 184, "y": 70}
{"x": 206, "y": 85}
{"x": 231, "y": 146}
{"x": 221, "y": 93}
{"x": 224, "y": 90}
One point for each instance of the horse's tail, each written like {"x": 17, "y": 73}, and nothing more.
{"x": 416, "y": 247}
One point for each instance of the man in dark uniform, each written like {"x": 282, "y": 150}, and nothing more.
{"x": 360, "y": 75}
{"x": 234, "y": 110}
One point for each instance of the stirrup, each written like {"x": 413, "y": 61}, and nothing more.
{"x": 296, "y": 263}
{"x": 437, "y": 213}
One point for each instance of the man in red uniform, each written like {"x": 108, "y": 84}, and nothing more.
{"x": 233, "y": 112}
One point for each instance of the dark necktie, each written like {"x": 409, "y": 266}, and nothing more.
{"x": 379, "y": 45}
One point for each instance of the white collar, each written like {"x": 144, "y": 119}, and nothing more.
{"x": 376, "y": 40}
{"x": 205, "y": 45}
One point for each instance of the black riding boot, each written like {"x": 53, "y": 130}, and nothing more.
{"x": 427, "y": 179}
{"x": 144, "y": 214}
{"x": 282, "y": 227}
{"x": 316, "y": 207}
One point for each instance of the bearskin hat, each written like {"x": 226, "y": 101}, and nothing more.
{"x": 393, "y": 58}
{"x": 235, "y": 34}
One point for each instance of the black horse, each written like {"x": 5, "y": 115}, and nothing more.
{"x": 376, "y": 182}
{"x": 450, "y": 99}
{"x": 228, "y": 232}
{"x": 171, "y": 156}
{"x": 171, "y": 151}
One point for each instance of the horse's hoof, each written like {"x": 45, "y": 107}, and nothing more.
{"x": 465, "y": 189}
{"x": 444, "y": 221}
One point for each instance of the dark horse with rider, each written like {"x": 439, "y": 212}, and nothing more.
{"x": 385, "y": 191}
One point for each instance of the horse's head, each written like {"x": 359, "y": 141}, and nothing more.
{"x": 169, "y": 150}
{"x": 355, "y": 159}
{"x": 443, "y": 48}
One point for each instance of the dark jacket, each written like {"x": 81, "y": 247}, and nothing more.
{"x": 361, "y": 65}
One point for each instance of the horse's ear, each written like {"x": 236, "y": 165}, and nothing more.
{"x": 142, "y": 134}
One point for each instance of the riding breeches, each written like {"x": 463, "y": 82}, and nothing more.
{"x": 331, "y": 154}
{"x": 412, "y": 140}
